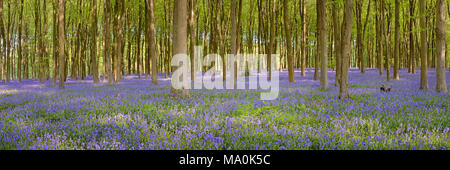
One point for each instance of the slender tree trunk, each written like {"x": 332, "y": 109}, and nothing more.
{"x": 397, "y": 40}
{"x": 387, "y": 38}
{"x": 106, "y": 38}
{"x": 290, "y": 56}
{"x": 25, "y": 54}
{"x": 360, "y": 33}
{"x": 120, "y": 11}
{"x": 62, "y": 38}
{"x": 7, "y": 40}
{"x": 45, "y": 66}
{"x": 296, "y": 50}
{"x": 358, "y": 16}
{"x": 303, "y": 42}
{"x": 233, "y": 39}
{"x": 346, "y": 45}
{"x": 130, "y": 41}
{"x": 423, "y": 47}
{"x": 153, "y": 43}
{"x": 180, "y": 35}
{"x": 38, "y": 40}
{"x": 412, "y": 48}
{"x": 19, "y": 43}
{"x": 94, "y": 56}
{"x": 146, "y": 46}
{"x": 271, "y": 10}
{"x": 206, "y": 28}
{"x": 169, "y": 48}
{"x": 138, "y": 42}
{"x": 2, "y": 33}
{"x": 380, "y": 28}
{"x": 441, "y": 84}
{"x": 192, "y": 31}
{"x": 238, "y": 31}
{"x": 218, "y": 33}
{"x": 322, "y": 42}
{"x": 337, "y": 43}
{"x": 250, "y": 35}
{"x": 361, "y": 51}
{"x": 115, "y": 40}
{"x": 55, "y": 41}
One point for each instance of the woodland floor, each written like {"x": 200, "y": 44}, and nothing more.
{"x": 144, "y": 116}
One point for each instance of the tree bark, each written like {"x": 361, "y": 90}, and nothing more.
{"x": 412, "y": 54}
{"x": 94, "y": 56}
{"x": 303, "y": 42}
{"x": 290, "y": 55}
{"x": 153, "y": 43}
{"x": 138, "y": 43}
{"x": 192, "y": 36}
{"x": 120, "y": 8}
{"x": 358, "y": 15}
{"x": 346, "y": 45}
{"x": 25, "y": 53}
{"x": 239, "y": 30}
{"x": 441, "y": 84}
{"x": 38, "y": 41}
{"x": 180, "y": 36}
{"x": 387, "y": 38}
{"x": 322, "y": 42}
{"x": 55, "y": 41}
{"x": 380, "y": 28}
{"x": 271, "y": 12}
{"x": 423, "y": 47}
{"x": 106, "y": 38}
{"x": 45, "y": 66}
{"x": 250, "y": 34}
{"x": 62, "y": 38}
{"x": 233, "y": 39}
{"x": 2, "y": 33}
{"x": 19, "y": 43}
{"x": 337, "y": 43}
{"x": 397, "y": 40}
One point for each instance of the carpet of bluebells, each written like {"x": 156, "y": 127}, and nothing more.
{"x": 304, "y": 116}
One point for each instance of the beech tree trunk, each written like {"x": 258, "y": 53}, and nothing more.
{"x": 346, "y": 45}
{"x": 337, "y": 43}
{"x": 423, "y": 47}
{"x": 55, "y": 41}
{"x": 387, "y": 38}
{"x": 120, "y": 11}
{"x": 380, "y": 28}
{"x": 192, "y": 32}
{"x": 270, "y": 49}
{"x": 290, "y": 55}
{"x": 397, "y": 40}
{"x": 180, "y": 35}
{"x": 359, "y": 34}
{"x": 2, "y": 33}
{"x": 107, "y": 39}
{"x": 412, "y": 49}
{"x": 441, "y": 84}
{"x": 233, "y": 39}
{"x": 322, "y": 41}
{"x": 94, "y": 56}
{"x": 138, "y": 43}
{"x": 153, "y": 43}
{"x": 62, "y": 38}
{"x": 303, "y": 42}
